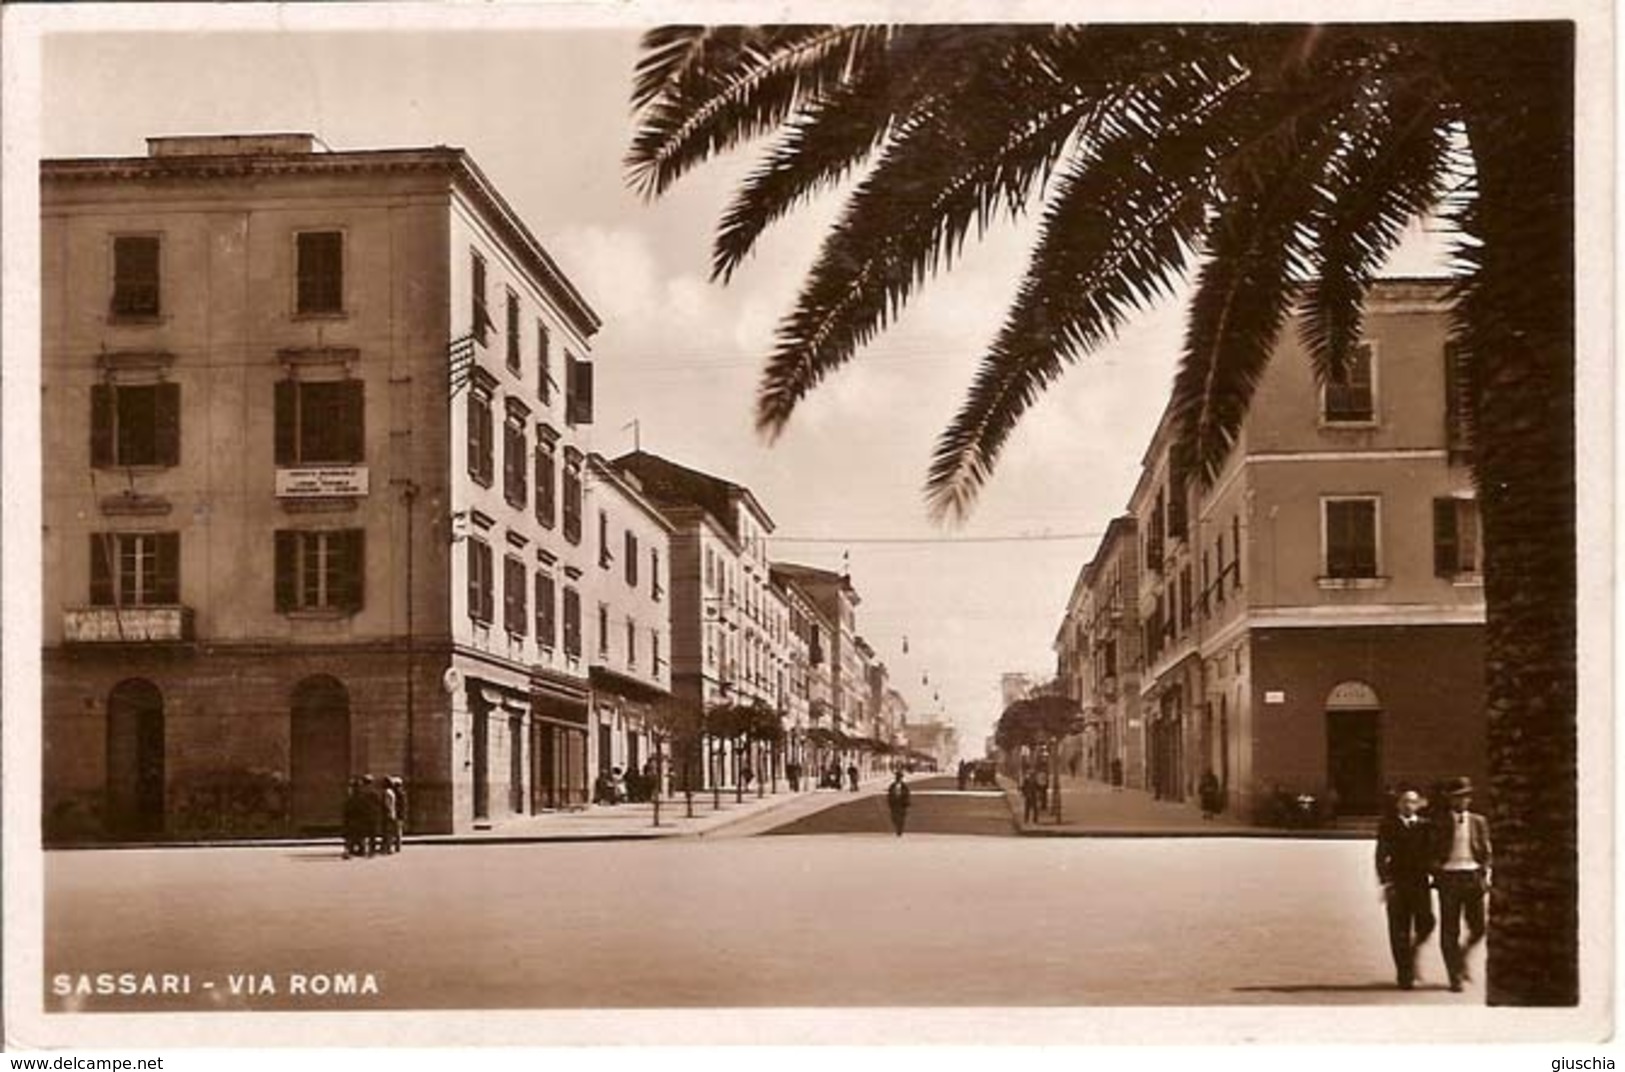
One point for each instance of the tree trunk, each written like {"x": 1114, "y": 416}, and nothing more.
{"x": 1517, "y": 318}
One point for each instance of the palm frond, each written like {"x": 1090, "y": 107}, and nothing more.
{"x": 1386, "y": 175}
{"x": 671, "y": 55}
{"x": 747, "y": 81}
{"x": 953, "y": 168}
{"x": 1261, "y": 245}
{"x": 1116, "y": 237}
{"x": 922, "y": 67}
{"x": 943, "y": 174}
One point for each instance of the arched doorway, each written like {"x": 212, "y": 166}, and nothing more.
{"x": 318, "y": 753}
{"x": 135, "y": 758}
{"x": 1354, "y": 748}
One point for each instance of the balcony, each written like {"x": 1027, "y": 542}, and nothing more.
{"x": 127, "y": 625}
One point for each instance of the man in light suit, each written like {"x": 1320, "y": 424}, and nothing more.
{"x": 1462, "y": 863}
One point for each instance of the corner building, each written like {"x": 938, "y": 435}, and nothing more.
{"x": 1313, "y": 621}
{"x": 316, "y": 424}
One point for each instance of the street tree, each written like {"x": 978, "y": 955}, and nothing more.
{"x": 676, "y": 724}
{"x": 1039, "y": 724}
{"x": 1279, "y": 164}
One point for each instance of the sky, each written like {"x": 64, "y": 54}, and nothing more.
{"x": 545, "y": 114}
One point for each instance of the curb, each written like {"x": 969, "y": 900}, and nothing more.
{"x": 1236, "y": 832}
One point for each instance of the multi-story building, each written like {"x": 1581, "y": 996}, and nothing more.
{"x": 274, "y": 532}
{"x": 939, "y": 740}
{"x": 1098, "y": 649}
{"x": 630, "y": 667}
{"x": 810, "y": 695}
{"x": 728, "y": 629}
{"x": 836, "y": 601}
{"x": 1313, "y": 621}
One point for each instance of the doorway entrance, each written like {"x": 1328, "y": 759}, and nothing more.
{"x": 135, "y": 758}
{"x": 318, "y": 753}
{"x": 1354, "y": 760}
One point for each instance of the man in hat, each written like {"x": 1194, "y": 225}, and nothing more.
{"x": 1461, "y": 871}
{"x": 1404, "y": 866}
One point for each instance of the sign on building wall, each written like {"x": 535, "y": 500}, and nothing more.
{"x": 321, "y": 482}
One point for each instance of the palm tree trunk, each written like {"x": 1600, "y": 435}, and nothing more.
{"x": 1519, "y": 324}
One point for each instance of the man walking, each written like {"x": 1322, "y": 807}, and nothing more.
{"x": 897, "y": 802}
{"x": 1030, "y": 790}
{"x": 1404, "y": 864}
{"x": 1462, "y": 862}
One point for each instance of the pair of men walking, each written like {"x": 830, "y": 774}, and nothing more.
{"x": 1416, "y": 855}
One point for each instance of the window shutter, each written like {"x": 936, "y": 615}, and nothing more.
{"x": 474, "y": 597}
{"x": 102, "y": 550}
{"x": 352, "y": 546}
{"x": 287, "y": 558}
{"x": 546, "y": 622}
{"x": 353, "y": 398}
{"x": 103, "y": 409}
{"x": 1445, "y": 537}
{"x": 167, "y": 427}
{"x": 473, "y": 445}
{"x": 168, "y": 560}
{"x": 581, "y": 396}
{"x": 287, "y": 408}
{"x": 631, "y": 559}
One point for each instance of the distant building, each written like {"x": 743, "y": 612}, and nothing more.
{"x": 730, "y": 631}
{"x": 1098, "y": 657}
{"x": 1018, "y": 686}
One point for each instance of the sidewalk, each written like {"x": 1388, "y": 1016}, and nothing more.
{"x": 1094, "y": 809}
{"x": 621, "y": 822}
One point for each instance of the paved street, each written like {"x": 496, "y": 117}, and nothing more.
{"x": 936, "y": 807}
{"x": 851, "y": 919}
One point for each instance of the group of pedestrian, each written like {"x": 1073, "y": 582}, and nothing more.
{"x": 832, "y": 777}
{"x": 374, "y": 816}
{"x": 1034, "y": 793}
{"x": 1419, "y": 853}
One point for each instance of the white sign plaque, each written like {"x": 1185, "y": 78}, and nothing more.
{"x": 1274, "y": 696}
{"x": 321, "y": 482}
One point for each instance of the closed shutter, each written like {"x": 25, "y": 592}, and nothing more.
{"x": 103, "y": 414}
{"x": 475, "y": 600}
{"x": 167, "y": 426}
{"x": 546, "y": 615}
{"x": 287, "y": 422}
{"x": 287, "y": 565}
{"x": 349, "y": 551}
{"x": 102, "y": 550}
{"x": 351, "y": 445}
{"x": 473, "y": 445}
{"x": 1446, "y": 538}
{"x": 579, "y": 401}
{"x": 167, "y": 588}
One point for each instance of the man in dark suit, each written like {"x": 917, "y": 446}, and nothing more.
{"x": 1461, "y": 870}
{"x": 1404, "y": 864}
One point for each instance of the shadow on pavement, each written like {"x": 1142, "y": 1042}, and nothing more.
{"x": 1331, "y": 988}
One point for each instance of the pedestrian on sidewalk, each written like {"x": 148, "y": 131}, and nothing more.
{"x": 371, "y": 813}
{"x": 398, "y": 834}
{"x": 897, "y": 802}
{"x": 384, "y": 832}
{"x": 851, "y": 777}
{"x": 1117, "y": 774}
{"x": 1030, "y": 806}
{"x": 1462, "y": 860}
{"x": 355, "y": 820}
{"x": 1043, "y": 787}
{"x": 1208, "y": 790}
{"x": 1404, "y": 866}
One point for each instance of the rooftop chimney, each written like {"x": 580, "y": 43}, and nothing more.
{"x": 235, "y": 145}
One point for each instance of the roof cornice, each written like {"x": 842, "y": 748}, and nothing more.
{"x": 455, "y": 164}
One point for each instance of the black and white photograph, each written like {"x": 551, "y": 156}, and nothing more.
{"x": 696, "y": 524}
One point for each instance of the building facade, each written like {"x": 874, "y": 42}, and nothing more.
{"x": 1098, "y": 658}
{"x": 1312, "y": 622}
{"x": 630, "y": 669}
{"x": 274, "y": 532}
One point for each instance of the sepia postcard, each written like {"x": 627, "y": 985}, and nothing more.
{"x": 856, "y": 524}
